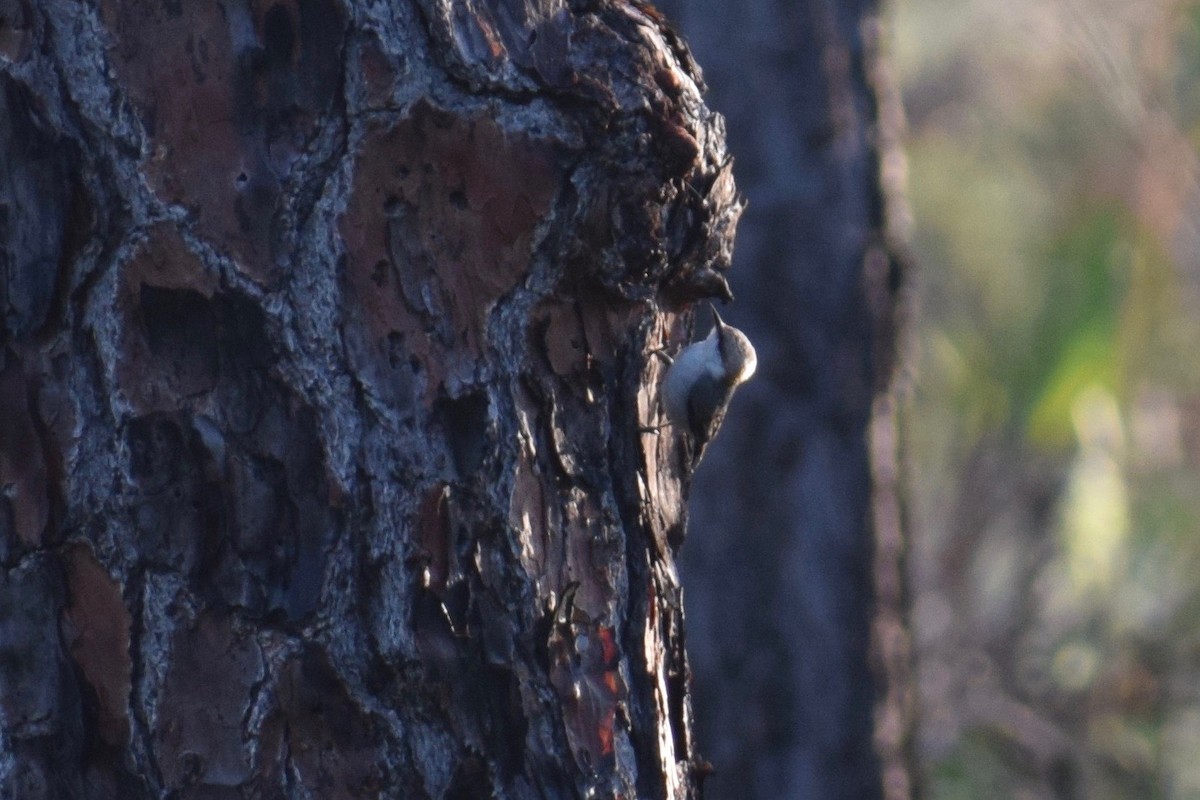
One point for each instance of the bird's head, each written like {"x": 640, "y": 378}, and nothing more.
{"x": 737, "y": 354}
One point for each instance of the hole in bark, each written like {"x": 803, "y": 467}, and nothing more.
{"x": 675, "y": 535}
{"x": 470, "y": 780}
{"x": 465, "y": 420}
{"x": 191, "y": 764}
{"x": 179, "y": 327}
{"x": 156, "y": 451}
{"x": 379, "y": 272}
{"x": 458, "y": 199}
{"x": 245, "y": 346}
{"x": 509, "y": 719}
{"x": 241, "y": 180}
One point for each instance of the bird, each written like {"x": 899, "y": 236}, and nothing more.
{"x": 701, "y": 380}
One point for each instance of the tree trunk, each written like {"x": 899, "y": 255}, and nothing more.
{"x": 793, "y": 567}
{"x": 323, "y": 385}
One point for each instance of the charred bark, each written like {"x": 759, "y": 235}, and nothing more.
{"x": 323, "y": 375}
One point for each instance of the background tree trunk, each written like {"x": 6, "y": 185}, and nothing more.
{"x": 793, "y": 564}
{"x": 323, "y": 366}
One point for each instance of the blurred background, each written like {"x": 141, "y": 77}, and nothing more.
{"x": 1049, "y": 423}
{"x": 1052, "y": 417}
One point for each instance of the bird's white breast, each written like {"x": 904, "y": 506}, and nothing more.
{"x": 685, "y": 372}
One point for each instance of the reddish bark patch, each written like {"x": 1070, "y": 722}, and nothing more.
{"x": 377, "y": 73}
{"x": 588, "y": 330}
{"x": 199, "y": 734}
{"x": 95, "y": 627}
{"x": 585, "y": 671}
{"x": 163, "y": 260}
{"x": 168, "y": 351}
{"x": 475, "y": 36}
{"x": 24, "y": 498}
{"x": 229, "y": 95}
{"x": 563, "y": 341}
{"x": 440, "y": 226}
{"x": 330, "y": 739}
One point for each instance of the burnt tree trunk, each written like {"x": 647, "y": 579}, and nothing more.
{"x": 323, "y": 368}
{"x": 793, "y": 566}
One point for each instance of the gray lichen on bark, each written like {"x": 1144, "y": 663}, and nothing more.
{"x": 323, "y": 378}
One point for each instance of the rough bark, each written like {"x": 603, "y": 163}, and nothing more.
{"x": 793, "y": 566}
{"x": 323, "y": 368}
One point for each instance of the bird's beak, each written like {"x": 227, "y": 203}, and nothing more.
{"x": 718, "y": 323}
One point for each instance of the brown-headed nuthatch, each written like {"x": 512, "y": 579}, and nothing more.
{"x": 701, "y": 380}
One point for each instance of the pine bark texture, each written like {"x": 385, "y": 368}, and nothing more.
{"x": 793, "y": 568}
{"x": 323, "y": 368}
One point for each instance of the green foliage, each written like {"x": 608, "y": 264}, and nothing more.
{"x": 1055, "y": 186}
{"x": 1076, "y": 333}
